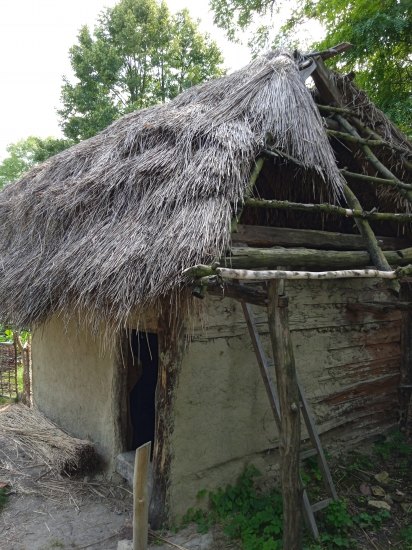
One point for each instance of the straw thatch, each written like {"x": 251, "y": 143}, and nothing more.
{"x": 108, "y": 225}
{"x": 47, "y": 444}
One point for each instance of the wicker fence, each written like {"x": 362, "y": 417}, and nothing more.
{"x": 9, "y": 359}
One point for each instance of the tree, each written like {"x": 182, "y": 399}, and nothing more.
{"x": 26, "y": 153}
{"x": 379, "y": 31}
{"x": 138, "y": 55}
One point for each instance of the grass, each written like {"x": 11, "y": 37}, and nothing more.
{"x": 251, "y": 518}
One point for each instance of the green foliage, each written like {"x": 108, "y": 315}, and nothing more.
{"x": 254, "y": 518}
{"x": 233, "y": 15}
{"x": 367, "y": 520}
{"x": 393, "y": 445}
{"x": 337, "y": 517}
{"x": 382, "y": 48}
{"x": 248, "y": 515}
{"x": 6, "y": 334}
{"x": 24, "y": 154}
{"x": 379, "y": 31}
{"x": 3, "y": 498}
{"x": 138, "y": 55}
{"x": 405, "y": 536}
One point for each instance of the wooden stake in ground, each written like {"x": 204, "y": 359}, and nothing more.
{"x": 288, "y": 392}
{"x": 141, "y": 497}
{"x": 25, "y": 352}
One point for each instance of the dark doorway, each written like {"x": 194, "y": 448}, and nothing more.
{"x": 143, "y": 368}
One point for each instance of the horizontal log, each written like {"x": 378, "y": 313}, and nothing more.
{"x": 269, "y": 275}
{"x": 264, "y": 236}
{"x": 252, "y": 258}
{"x": 327, "y": 208}
{"x": 379, "y": 181}
{"x": 348, "y": 137}
{"x": 333, "y": 110}
{"x": 331, "y": 52}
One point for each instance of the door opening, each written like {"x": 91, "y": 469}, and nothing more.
{"x": 142, "y": 380}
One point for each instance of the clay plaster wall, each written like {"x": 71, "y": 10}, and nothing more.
{"x": 348, "y": 364}
{"x": 74, "y": 384}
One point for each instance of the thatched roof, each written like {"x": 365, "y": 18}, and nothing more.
{"x": 108, "y": 225}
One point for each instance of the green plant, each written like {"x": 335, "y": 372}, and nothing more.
{"x": 6, "y": 334}
{"x": 3, "y": 497}
{"x": 367, "y": 520}
{"x": 405, "y": 536}
{"x": 335, "y": 525}
{"x": 394, "y": 444}
{"x": 246, "y": 514}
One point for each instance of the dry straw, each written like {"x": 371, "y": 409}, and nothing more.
{"x": 108, "y": 226}
{"x": 47, "y": 444}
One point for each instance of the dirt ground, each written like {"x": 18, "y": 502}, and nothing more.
{"x": 45, "y": 511}
{"x": 36, "y": 522}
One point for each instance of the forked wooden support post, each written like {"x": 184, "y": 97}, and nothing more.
{"x": 141, "y": 497}
{"x": 289, "y": 437}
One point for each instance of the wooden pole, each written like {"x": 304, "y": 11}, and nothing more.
{"x": 267, "y": 275}
{"x": 365, "y": 230}
{"x": 405, "y": 385}
{"x": 141, "y": 497}
{"x": 289, "y": 437}
{"x": 25, "y": 352}
{"x": 330, "y": 209}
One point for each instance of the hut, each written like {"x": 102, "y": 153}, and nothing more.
{"x": 106, "y": 248}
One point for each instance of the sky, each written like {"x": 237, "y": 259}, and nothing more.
{"x": 35, "y": 37}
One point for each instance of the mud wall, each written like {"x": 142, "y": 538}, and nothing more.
{"x": 348, "y": 364}
{"x": 74, "y": 384}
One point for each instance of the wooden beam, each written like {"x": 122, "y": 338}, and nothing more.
{"x": 372, "y": 246}
{"x": 372, "y": 158}
{"x": 405, "y": 385}
{"x": 353, "y": 138}
{"x": 264, "y": 236}
{"x": 268, "y": 275}
{"x": 380, "y": 181}
{"x": 331, "y": 52}
{"x": 289, "y": 437}
{"x": 250, "y": 258}
{"x": 327, "y": 208}
{"x": 171, "y": 345}
{"x": 325, "y": 83}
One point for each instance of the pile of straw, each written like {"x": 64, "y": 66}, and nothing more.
{"x": 44, "y": 442}
{"x": 107, "y": 226}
